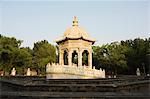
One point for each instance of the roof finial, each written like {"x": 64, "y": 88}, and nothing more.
{"x": 75, "y": 21}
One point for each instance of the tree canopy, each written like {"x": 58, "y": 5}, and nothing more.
{"x": 12, "y": 55}
{"x": 43, "y": 53}
{"x": 123, "y": 57}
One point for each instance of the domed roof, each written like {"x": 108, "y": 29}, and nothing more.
{"x": 75, "y": 32}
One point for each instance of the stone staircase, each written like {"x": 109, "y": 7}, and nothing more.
{"x": 40, "y": 88}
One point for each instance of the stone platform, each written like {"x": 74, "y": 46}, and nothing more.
{"x": 56, "y": 71}
{"x": 21, "y": 87}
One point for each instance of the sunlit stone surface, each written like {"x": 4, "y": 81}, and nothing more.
{"x": 70, "y": 72}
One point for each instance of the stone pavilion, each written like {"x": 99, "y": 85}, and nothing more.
{"x": 75, "y": 56}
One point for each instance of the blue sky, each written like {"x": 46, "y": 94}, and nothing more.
{"x": 104, "y": 20}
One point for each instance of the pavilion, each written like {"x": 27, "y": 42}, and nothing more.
{"x": 75, "y": 56}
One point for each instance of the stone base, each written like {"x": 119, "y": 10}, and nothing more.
{"x": 67, "y": 76}
{"x": 56, "y": 71}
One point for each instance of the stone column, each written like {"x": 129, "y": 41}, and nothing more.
{"x": 70, "y": 58}
{"x": 80, "y": 58}
{"x": 61, "y": 57}
{"x": 90, "y": 59}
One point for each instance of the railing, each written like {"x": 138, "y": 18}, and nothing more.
{"x": 75, "y": 70}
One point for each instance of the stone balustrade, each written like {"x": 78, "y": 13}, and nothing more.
{"x": 54, "y": 71}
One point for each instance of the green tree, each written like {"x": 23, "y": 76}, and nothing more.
{"x": 23, "y": 60}
{"x": 137, "y": 54}
{"x": 117, "y": 58}
{"x": 43, "y": 53}
{"x": 123, "y": 57}
{"x": 110, "y": 57}
{"x": 8, "y": 46}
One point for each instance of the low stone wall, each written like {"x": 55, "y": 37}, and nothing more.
{"x": 56, "y": 71}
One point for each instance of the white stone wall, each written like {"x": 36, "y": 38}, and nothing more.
{"x": 55, "y": 71}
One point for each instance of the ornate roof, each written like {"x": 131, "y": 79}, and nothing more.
{"x": 75, "y": 32}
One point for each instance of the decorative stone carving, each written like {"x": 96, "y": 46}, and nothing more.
{"x": 67, "y": 72}
{"x": 138, "y": 72}
{"x": 28, "y": 72}
{"x": 13, "y": 72}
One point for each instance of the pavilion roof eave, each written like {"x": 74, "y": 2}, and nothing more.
{"x": 66, "y": 38}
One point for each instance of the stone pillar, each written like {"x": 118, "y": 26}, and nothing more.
{"x": 90, "y": 59}
{"x": 80, "y": 58}
{"x": 70, "y": 58}
{"x": 61, "y": 57}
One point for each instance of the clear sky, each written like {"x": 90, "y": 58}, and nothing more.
{"x": 104, "y": 20}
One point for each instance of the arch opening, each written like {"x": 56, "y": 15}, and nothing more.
{"x": 75, "y": 58}
{"x": 85, "y": 55}
{"x": 65, "y": 57}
